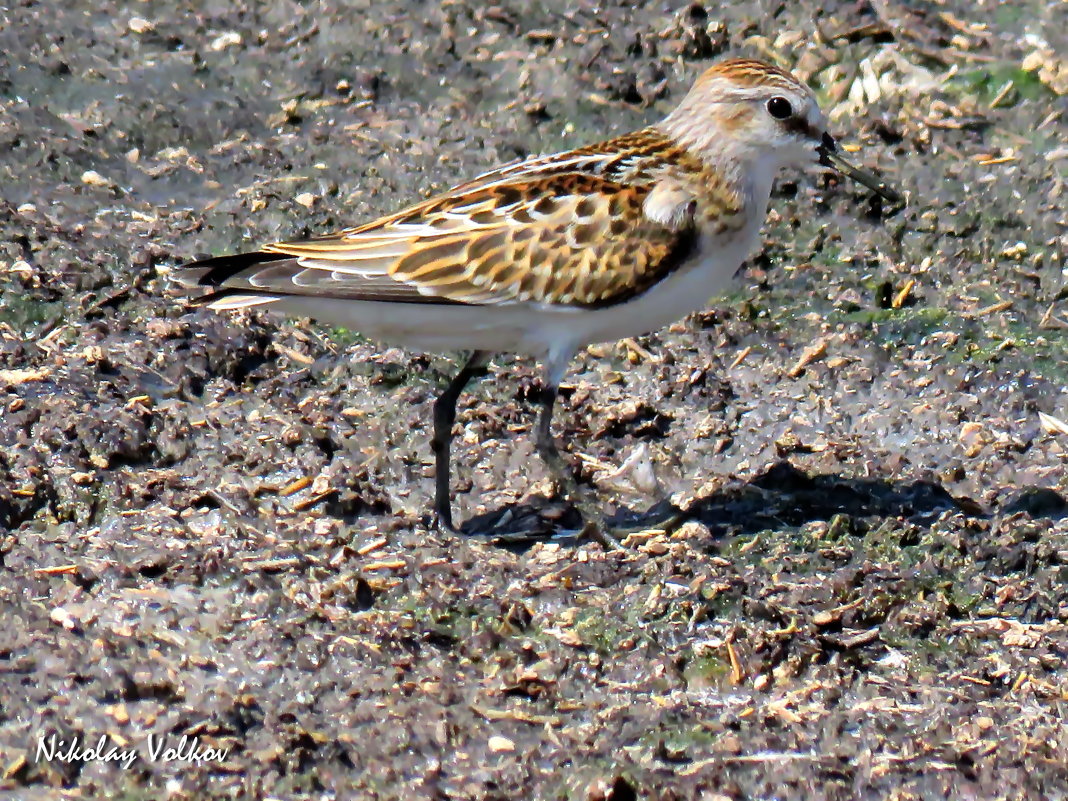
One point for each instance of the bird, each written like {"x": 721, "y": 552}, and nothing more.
{"x": 549, "y": 254}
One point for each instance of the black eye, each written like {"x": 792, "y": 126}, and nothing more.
{"x": 780, "y": 108}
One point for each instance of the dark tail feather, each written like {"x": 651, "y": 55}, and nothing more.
{"x": 217, "y": 271}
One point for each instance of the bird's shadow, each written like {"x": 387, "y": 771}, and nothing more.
{"x": 783, "y": 496}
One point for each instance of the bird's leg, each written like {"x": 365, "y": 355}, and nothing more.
{"x": 593, "y": 528}
{"x": 444, "y": 417}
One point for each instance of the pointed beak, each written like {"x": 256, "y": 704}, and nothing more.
{"x": 830, "y": 157}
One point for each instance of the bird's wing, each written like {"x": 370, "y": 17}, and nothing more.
{"x": 567, "y": 230}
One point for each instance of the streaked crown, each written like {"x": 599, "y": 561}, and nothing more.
{"x": 748, "y": 72}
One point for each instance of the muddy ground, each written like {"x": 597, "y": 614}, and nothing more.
{"x": 216, "y": 526}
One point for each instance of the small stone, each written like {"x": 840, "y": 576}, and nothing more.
{"x": 693, "y": 530}
{"x": 140, "y": 25}
{"x": 93, "y": 178}
{"x": 230, "y": 39}
{"x": 63, "y": 618}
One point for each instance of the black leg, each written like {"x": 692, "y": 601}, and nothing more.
{"x": 444, "y": 417}
{"x": 546, "y": 444}
{"x": 562, "y": 475}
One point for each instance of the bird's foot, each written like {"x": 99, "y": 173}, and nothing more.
{"x": 513, "y": 525}
{"x": 576, "y": 522}
{"x": 663, "y": 517}
{"x": 613, "y": 535}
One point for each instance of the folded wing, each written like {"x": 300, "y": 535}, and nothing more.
{"x": 566, "y": 239}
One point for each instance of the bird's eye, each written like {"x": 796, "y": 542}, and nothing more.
{"x": 780, "y": 108}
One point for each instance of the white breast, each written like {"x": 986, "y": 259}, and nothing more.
{"x": 707, "y": 273}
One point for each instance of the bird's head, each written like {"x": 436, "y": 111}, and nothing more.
{"x": 752, "y": 114}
